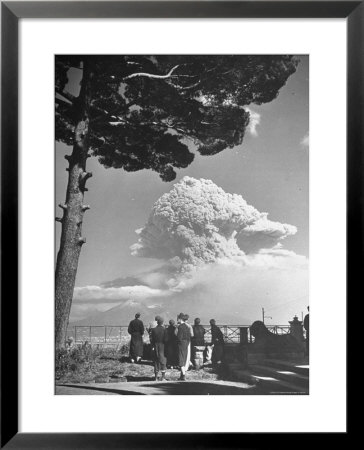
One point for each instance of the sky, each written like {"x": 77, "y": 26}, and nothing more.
{"x": 270, "y": 171}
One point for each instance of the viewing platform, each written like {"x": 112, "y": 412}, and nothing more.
{"x": 270, "y": 359}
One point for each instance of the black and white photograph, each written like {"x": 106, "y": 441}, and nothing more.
{"x": 182, "y": 224}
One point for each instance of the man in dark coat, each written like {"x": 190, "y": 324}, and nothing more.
{"x": 136, "y": 330}
{"x": 184, "y": 345}
{"x": 198, "y": 333}
{"x": 172, "y": 346}
{"x": 158, "y": 338}
{"x": 217, "y": 341}
{"x": 306, "y": 326}
{"x": 198, "y": 338}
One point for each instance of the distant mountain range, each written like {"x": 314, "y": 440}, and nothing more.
{"x": 122, "y": 314}
{"x": 168, "y": 309}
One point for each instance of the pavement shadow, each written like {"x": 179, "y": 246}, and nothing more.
{"x": 101, "y": 389}
{"x": 134, "y": 378}
{"x": 195, "y": 388}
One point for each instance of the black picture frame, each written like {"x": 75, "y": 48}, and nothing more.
{"x": 11, "y": 12}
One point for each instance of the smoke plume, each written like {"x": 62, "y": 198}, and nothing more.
{"x": 198, "y": 223}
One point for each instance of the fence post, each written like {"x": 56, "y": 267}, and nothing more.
{"x": 90, "y": 335}
{"x": 105, "y": 332}
{"x": 75, "y": 334}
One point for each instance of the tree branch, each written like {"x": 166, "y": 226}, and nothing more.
{"x": 62, "y": 101}
{"x": 191, "y": 86}
{"x": 67, "y": 95}
{"x": 165, "y": 77}
{"x": 150, "y": 75}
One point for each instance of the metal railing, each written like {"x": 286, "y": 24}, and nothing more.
{"x": 279, "y": 329}
{"x": 117, "y": 335}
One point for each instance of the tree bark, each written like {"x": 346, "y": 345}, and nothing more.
{"x": 73, "y": 211}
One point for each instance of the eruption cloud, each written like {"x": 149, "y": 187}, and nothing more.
{"x": 198, "y": 223}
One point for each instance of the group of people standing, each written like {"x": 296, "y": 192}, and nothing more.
{"x": 171, "y": 345}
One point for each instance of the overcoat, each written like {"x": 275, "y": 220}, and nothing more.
{"x": 136, "y": 330}
{"x": 217, "y": 339}
{"x": 183, "y": 340}
{"x": 158, "y": 338}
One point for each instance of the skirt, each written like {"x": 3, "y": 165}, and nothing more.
{"x": 183, "y": 353}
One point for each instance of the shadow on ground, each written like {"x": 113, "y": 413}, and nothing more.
{"x": 100, "y": 389}
{"x": 196, "y": 388}
{"x": 163, "y": 388}
{"x": 134, "y": 378}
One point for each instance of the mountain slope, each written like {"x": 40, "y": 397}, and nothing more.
{"x": 122, "y": 313}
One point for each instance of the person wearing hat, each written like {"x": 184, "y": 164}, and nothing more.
{"x": 198, "y": 333}
{"x": 184, "y": 345}
{"x": 217, "y": 342}
{"x": 198, "y": 338}
{"x": 171, "y": 348}
{"x": 136, "y": 330}
{"x": 158, "y": 338}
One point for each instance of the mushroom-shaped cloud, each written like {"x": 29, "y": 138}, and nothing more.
{"x": 197, "y": 222}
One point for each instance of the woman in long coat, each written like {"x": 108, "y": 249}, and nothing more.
{"x": 158, "y": 338}
{"x": 172, "y": 345}
{"x": 136, "y": 330}
{"x": 184, "y": 345}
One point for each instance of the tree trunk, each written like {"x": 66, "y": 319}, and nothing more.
{"x": 73, "y": 212}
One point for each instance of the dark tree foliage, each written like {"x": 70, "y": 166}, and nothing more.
{"x": 145, "y": 109}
